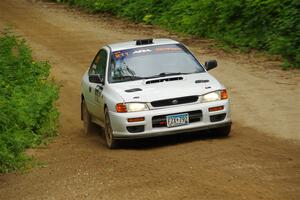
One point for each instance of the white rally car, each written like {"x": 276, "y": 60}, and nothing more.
{"x": 152, "y": 87}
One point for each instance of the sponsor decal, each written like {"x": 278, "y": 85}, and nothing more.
{"x": 141, "y": 51}
{"x": 160, "y": 49}
{"x": 120, "y": 54}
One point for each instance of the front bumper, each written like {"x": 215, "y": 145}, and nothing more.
{"x": 120, "y": 124}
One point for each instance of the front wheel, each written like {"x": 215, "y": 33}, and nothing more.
{"x": 110, "y": 141}
{"x": 222, "y": 131}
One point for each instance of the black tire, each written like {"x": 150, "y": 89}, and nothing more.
{"x": 86, "y": 118}
{"x": 222, "y": 131}
{"x": 110, "y": 141}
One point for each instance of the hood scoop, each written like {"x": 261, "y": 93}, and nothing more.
{"x": 201, "y": 81}
{"x": 133, "y": 90}
{"x": 164, "y": 80}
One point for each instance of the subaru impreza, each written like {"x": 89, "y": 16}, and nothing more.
{"x": 152, "y": 87}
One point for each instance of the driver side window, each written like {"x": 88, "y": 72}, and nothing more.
{"x": 99, "y": 64}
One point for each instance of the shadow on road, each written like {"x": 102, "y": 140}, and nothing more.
{"x": 156, "y": 142}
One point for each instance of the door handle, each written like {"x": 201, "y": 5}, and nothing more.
{"x": 90, "y": 89}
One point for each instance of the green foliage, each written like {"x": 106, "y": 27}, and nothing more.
{"x": 269, "y": 25}
{"x": 27, "y": 101}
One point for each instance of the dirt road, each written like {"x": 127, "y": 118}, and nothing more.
{"x": 261, "y": 159}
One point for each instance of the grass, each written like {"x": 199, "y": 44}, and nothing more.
{"x": 27, "y": 102}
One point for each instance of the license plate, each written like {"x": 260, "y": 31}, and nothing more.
{"x": 177, "y": 120}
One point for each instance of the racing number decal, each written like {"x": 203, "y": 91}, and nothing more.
{"x": 98, "y": 93}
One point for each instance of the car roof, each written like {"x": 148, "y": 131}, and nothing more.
{"x": 132, "y": 44}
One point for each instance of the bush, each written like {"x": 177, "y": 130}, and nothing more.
{"x": 27, "y": 101}
{"x": 268, "y": 25}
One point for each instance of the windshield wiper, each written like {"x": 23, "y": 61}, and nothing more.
{"x": 133, "y": 78}
{"x": 164, "y": 74}
{"x": 171, "y": 74}
{"x": 127, "y": 78}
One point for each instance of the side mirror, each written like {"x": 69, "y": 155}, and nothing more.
{"x": 210, "y": 64}
{"x": 96, "y": 78}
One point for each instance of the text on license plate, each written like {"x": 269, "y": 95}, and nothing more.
{"x": 177, "y": 120}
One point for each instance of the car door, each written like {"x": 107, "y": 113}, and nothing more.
{"x": 87, "y": 86}
{"x": 96, "y": 98}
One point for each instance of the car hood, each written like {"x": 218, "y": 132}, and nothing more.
{"x": 166, "y": 87}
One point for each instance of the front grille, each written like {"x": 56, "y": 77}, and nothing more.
{"x": 174, "y": 101}
{"x": 160, "y": 120}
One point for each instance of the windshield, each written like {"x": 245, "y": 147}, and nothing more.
{"x": 152, "y": 62}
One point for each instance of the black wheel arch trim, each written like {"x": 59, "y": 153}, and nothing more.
{"x": 81, "y": 104}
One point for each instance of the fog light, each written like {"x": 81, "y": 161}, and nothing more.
{"x": 216, "y": 108}
{"x": 137, "y": 119}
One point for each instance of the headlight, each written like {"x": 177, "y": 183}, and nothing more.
{"x": 131, "y": 107}
{"x": 214, "y": 96}
{"x": 134, "y": 107}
